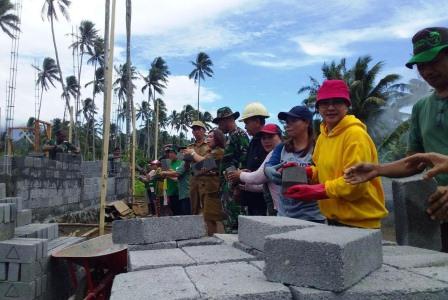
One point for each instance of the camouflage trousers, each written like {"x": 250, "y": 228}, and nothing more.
{"x": 232, "y": 208}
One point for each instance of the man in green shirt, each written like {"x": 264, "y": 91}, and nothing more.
{"x": 428, "y": 126}
{"x": 172, "y": 187}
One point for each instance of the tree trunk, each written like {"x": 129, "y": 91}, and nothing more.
{"x": 93, "y": 103}
{"x": 130, "y": 106}
{"x": 40, "y": 103}
{"x": 156, "y": 125}
{"x": 67, "y": 98}
{"x": 199, "y": 87}
{"x": 78, "y": 96}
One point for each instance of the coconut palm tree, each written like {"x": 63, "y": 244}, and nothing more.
{"x": 144, "y": 113}
{"x": 89, "y": 111}
{"x": 84, "y": 43}
{"x": 49, "y": 10}
{"x": 46, "y": 76}
{"x": 367, "y": 93}
{"x": 155, "y": 82}
{"x": 8, "y": 20}
{"x": 72, "y": 87}
{"x": 202, "y": 66}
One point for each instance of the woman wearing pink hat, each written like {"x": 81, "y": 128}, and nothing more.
{"x": 343, "y": 142}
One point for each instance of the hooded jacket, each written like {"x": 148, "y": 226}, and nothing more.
{"x": 360, "y": 205}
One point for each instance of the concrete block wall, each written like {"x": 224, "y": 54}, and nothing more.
{"x": 56, "y": 187}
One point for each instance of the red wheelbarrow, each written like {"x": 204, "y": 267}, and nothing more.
{"x": 101, "y": 260}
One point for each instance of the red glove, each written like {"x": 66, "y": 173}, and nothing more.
{"x": 306, "y": 192}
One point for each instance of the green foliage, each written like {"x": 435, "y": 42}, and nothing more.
{"x": 8, "y": 20}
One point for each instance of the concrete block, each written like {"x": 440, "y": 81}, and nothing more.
{"x": 154, "y": 230}
{"x": 42, "y": 231}
{"x": 2, "y": 190}
{"x": 31, "y": 271}
{"x": 438, "y": 273}
{"x": 324, "y": 257}
{"x": 24, "y": 217}
{"x": 166, "y": 283}
{"x": 13, "y": 271}
{"x": 208, "y": 240}
{"x": 411, "y": 257}
{"x": 151, "y": 259}
{"x": 18, "y": 290}
{"x": 22, "y": 250}
{"x": 259, "y": 264}
{"x": 6, "y": 231}
{"x": 153, "y": 246}
{"x": 385, "y": 283}
{"x": 235, "y": 281}
{"x": 216, "y": 254}
{"x": 292, "y": 176}
{"x": 228, "y": 239}
{"x": 413, "y": 226}
{"x": 248, "y": 249}
{"x": 252, "y": 230}
{"x": 3, "y": 271}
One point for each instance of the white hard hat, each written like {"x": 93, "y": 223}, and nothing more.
{"x": 254, "y": 109}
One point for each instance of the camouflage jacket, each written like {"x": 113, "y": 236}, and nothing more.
{"x": 236, "y": 150}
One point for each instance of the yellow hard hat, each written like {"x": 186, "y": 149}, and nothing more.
{"x": 254, "y": 109}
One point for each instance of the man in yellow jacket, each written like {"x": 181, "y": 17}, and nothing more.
{"x": 343, "y": 142}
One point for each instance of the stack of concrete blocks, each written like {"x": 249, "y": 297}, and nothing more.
{"x": 24, "y": 216}
{"x": 192, "y": 270}
{"x": 8, "y": 213}
{"x": 23, "y": 269}
{"x": 413, "y": 226}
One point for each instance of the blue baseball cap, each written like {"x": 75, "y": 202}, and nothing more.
{"x": 300, "y": 112}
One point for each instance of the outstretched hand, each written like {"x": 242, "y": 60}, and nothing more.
{"x": 438, "y": 162}
{"x": 360, "y": 173}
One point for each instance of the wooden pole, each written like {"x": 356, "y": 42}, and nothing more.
{"x": 109, "y": 58}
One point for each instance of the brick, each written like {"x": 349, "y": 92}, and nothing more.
{"x": 385, "y": 283}
{"x": 42, "y": 231}
{"x": 154, "y": 230}
{"x": 151, "y": 259}
{"x": 166, "y": 283}
{"x": 24, "y": 217}
{"x": 292, "y": 176}
{"x": 252, "y": 230}
{"x": 324, "y": 257}
{"x": 245, "y": 282}
{"x": 17, "y": 290}
{"x": 216, "y": 254}
{"x": 208, "y": 240}
{"x": 153, "y": 246}
{"x": 22, "y": 250}
{"x": 413, "y": 226}
{"x": 411, "y": 257}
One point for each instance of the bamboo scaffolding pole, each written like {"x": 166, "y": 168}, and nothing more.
{"x": 109, "y": 57}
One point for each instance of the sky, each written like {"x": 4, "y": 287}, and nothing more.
{"x": 261, "y": 50}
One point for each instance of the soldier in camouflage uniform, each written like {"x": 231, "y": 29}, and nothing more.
{"x": 200, "y": 147}
{"x": 235, "y": 155}
{"x": 61, "y": 145}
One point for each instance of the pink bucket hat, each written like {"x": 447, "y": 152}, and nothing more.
{"x": 333, "y": 89}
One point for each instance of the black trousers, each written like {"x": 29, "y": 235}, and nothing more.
{"x": 444, "y": 236}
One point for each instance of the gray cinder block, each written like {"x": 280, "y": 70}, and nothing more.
{"x": 151, "y": 259}
{"x": 217, "y": 254}
{"x": 17, "y": 200}
{"x": 385, "y": 283}
{"x": 153, "y": 246}
{"x": 22, "y": 250}
{"x": 42, "y": 231}
{"x": 438, "y": 273}
{"x": 252, "y": 230}
{"x": 228, "y": 239}
{"x": 248, "y": 249}
{"x": 6, "y": 231}
{"x": 2, "y": 190}
{"x": 235, "y": 281}
{"x": 24, "y": 217}
{"x": 413, "y": 226}
{"x": 325, "y": 257}
{"x": 404, "y": 257}
{"x": 13, "y": 271}
{"x": 18, "y": 290}
{"x": 292, "y": 176}
{"x": 208, "y": 240}
{"x": 166, "y": 283}
{"x": 154, "y": 230}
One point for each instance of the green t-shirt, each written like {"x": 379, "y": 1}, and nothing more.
{"x": 171, "y": 185}
{"x": 429, "y": 128}
{"x": 183, "y": 181}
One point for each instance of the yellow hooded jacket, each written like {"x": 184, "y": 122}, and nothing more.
{"x": 360, "y": 205}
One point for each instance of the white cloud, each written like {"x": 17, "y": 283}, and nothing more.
{"x": 274, "y": 61}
